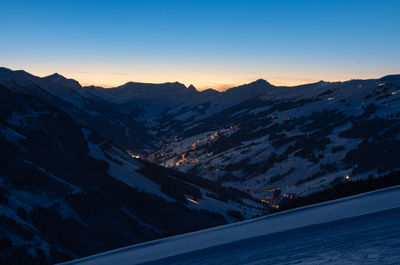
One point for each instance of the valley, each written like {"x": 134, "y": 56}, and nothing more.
{"x": 142, "y": 161}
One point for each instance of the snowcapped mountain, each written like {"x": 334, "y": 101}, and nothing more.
{"x": 79, "y": 103}
{"x": 59, "y": 179}
{"x": 295, "y": 140}
{"x": 256, "y": 137}
{"x": 70, "y": 149}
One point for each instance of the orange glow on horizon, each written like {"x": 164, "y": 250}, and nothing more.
{"x": 221, "y": 83}
{"x": 218, "y": 79}
{"x": 200, "y": 86}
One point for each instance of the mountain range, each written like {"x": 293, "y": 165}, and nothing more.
{"x": 155, "y": 160}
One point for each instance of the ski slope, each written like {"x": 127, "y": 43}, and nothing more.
{"x": 230, "y": 244}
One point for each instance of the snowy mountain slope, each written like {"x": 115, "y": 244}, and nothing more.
{"x": 260, "y": 94}
{"x": 59, "y": 179}
{"x": 56, "y": 85}
{"x": 293, "y": 139}
{"x": 85, "y": 107}
{"x": 359, "y": 205}
{"x": 69, "y": 155}
{"x": 197, "y": 193}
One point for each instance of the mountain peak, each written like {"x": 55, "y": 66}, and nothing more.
{"x": 57, "y": 78}
{"x": 255, "y": 88}
{"x": 261, "y": 82}
{"x": 191, "y": 87}
{"x": 141, "y": 84}
{"x": 209, "y": 92}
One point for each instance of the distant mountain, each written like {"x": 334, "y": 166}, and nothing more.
{"x": 256, "y": 137}
{"x": 59, "y": 79}
{"x": 83, "y": 105}
{"x": 71, "y": 151}
{"x": 269, "y": 137}
{"x": 256, "y": 88}
{"x": 290, "y": 140}
{"x": 145, "y": 101}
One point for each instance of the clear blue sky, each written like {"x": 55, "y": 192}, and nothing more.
{"x": 207, "y": 43}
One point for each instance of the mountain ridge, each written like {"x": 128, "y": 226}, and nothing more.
{"x": 254, "y": 142}
{"x": 286, "y": 123}
{"x": 256, "y": 81}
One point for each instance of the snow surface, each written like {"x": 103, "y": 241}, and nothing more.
{"x": 126, "y": 171}
{"x": 343, "y": 242}
{"x": 367, "y": 203}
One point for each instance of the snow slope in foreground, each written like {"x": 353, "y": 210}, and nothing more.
{"x": 362, "y": 204}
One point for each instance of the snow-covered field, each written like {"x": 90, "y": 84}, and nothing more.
{"x": 361, "y": 229}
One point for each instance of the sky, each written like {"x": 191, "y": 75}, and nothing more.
{"x": 210, "y": 44}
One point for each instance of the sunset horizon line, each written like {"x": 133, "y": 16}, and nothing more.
{"x": 221, "y": 87}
